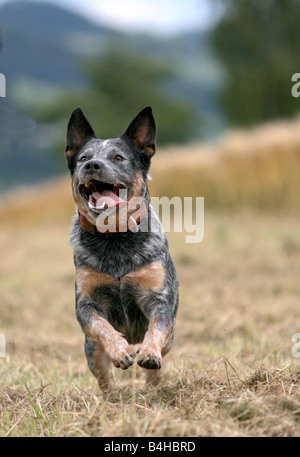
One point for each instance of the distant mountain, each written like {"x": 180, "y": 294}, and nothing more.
{"x": 43, "y": 47}
{"x": 42, "y": 41}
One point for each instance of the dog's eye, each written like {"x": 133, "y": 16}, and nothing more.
{"x": 118, "y": 158}
{"x": 83, "y": 159}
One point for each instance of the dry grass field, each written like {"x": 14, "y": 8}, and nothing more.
{"x": 231, "y": 370}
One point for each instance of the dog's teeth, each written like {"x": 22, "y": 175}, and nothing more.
{"x": 102, "y": 206}
{"x": 91, "y": 204}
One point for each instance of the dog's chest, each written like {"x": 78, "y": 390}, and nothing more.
{"x": 148, "y": 279}
{"x": 127, "y": 301}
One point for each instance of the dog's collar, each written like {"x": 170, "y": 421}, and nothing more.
{"x": 132, "y": 222}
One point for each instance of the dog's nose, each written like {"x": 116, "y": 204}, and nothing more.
{"x": 92, "y": 165}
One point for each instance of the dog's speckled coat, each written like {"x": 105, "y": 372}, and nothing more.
{"x": 126, "y": 283}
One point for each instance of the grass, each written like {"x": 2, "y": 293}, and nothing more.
{"x": 230, "y": 372}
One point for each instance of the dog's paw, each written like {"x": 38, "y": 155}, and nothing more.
{"x": 125, "y": 361}
{"x": 149, "y": 359}
{"x": 119, "y": 351}
{"x": 123, "y": 358}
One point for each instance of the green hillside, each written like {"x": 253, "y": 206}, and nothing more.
{"x": 44, "y": 52}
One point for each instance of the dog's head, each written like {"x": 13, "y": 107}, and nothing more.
{"x": 108, "y": 173}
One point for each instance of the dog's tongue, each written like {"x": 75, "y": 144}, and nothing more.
{"x": 108, "y": 198}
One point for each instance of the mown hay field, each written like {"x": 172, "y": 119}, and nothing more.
{"x": 231, "y": 371}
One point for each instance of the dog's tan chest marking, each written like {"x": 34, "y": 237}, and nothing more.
{"x": 87, "y": 280}
{"x": 149, "y": 278}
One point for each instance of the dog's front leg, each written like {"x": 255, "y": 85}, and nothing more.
{"x": 157, "y": 342}
{"x": 113, "y": 342}
{"x": 102, "y": 345}
{"x": 95, "y": 293}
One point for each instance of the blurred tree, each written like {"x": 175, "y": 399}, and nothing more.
{"x": 259, "y": 42}
{"x": 120, "y": 84}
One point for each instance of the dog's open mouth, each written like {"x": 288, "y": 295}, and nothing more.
{"x": 100, "y": 196}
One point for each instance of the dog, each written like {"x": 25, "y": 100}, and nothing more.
{"x": 126, "y": 284}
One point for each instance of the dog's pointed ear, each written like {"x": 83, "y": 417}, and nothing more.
{"x": 142, "y": 132}
{"x": 78, "y": 131}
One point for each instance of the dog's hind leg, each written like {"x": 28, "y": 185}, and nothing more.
{"x": 99, "y": 363}
{"x": 152, "y": 377}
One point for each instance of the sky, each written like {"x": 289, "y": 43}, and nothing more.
{"x": 163, "y": 17}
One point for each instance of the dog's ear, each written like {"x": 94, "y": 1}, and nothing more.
{"x": 142, "y": 132}
{"x": 78, "y": 131}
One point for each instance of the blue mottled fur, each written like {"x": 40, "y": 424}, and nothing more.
{"x": 130, "y": 309}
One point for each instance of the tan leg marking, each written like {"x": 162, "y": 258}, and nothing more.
{"x": 151, "y": 277}
{"x": 87, "y": 280}
{"x": 100, "y": 365}
{"x": 114, "y": 344}
{"x": 155, "y": 341}
{"x": 152, "y": 377}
